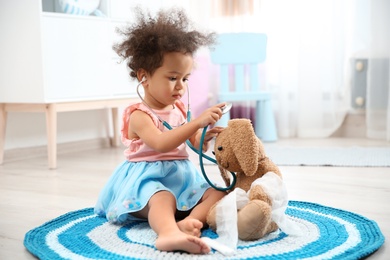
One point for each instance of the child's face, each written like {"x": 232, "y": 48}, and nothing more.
{"x": 169, "y": 82}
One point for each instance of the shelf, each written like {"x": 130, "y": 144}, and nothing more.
{"x": 52, "y": 109}
{"x": 73, "y": 16}
{"x": 53, "y": 7}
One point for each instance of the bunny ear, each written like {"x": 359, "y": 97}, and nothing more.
{"x": 224, "y": 175}
{"x": 245, "y": 144}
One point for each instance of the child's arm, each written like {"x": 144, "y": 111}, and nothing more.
{"x": 142, "y": 126}
{"x": 210, "y": 134}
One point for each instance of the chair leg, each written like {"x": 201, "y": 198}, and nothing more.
{"x": 265, "y": 127}
{"x": 223, "y": 122}
{"x": 3, "y": 124}
{"x": 51, "y": 128}
{"x": 115, "y": 139}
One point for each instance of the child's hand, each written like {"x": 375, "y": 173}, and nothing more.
{"x": 210, "y": 116}
{"x": 210, "y": 134}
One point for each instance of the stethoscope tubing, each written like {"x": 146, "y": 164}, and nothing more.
{"x": 199, "y": 152}
{"x": 201, "y": 156}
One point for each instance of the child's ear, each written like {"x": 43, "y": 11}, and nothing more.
{"x": 141, "y": 76}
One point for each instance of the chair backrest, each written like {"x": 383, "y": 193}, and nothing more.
{"x": 239, "y": 50}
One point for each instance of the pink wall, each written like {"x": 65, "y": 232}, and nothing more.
{"x": 199, "y": 85}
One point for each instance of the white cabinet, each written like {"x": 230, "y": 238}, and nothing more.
{"x": 48, "y": 57}
{"x": 52, "y": 62}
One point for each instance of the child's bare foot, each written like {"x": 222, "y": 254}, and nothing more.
{"x": 190, "y": 226}
{"x": 179, "y": 241}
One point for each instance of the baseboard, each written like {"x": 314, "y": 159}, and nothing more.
{"x": 23, "y": 153}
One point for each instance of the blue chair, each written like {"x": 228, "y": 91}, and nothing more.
{"x": 244, "y": 52}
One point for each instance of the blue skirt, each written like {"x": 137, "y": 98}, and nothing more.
{"x": 133, "y": 183}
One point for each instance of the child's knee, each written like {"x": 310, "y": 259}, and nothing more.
{"x": 162, "y": 198}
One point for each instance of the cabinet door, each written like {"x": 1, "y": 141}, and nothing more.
{"x": 76, "y": 57}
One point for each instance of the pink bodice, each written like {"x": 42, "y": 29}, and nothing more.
{"x": 137, "y": 150}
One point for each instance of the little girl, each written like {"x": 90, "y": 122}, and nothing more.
{"x": 157, "y": 182}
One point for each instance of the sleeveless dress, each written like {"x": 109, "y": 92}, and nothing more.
{"x": 145, "y": 172}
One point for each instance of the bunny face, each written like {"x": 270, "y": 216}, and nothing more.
{"x": 224, "y": 153}
{"x": 237, "y": 147}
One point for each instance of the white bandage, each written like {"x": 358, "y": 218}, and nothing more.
{"x": 226, "y": 212}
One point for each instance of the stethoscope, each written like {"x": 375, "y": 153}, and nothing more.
{"x": 224, "y": 109}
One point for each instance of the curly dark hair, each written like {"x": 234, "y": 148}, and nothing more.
{"x": 150, "y": 38}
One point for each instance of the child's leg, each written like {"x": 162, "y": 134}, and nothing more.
{"x": 200, "y": 211}
{"x": 161, "y": 216}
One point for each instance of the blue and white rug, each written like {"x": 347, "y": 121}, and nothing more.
{"x": 329, "y": 233}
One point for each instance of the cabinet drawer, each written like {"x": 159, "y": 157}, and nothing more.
{"x": 76, "y": 56}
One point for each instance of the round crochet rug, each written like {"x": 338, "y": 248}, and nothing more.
{"x": 327, "y": 233}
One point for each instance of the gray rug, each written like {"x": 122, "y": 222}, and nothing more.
{"x": 329, "y": 156}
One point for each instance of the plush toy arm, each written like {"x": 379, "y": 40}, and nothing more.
{"x": 258, "y": 193}
{"x": 224, "y": 175}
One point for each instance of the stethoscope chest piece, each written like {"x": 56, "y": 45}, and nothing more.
{"x": 225, "y": 109}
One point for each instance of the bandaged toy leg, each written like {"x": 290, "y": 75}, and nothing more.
{"x": 276, "y": 190}
{"x": 222, "y": 218}
{"x": 254, "y": 220}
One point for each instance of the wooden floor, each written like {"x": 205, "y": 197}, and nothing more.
{"x": 30, "y": 194}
